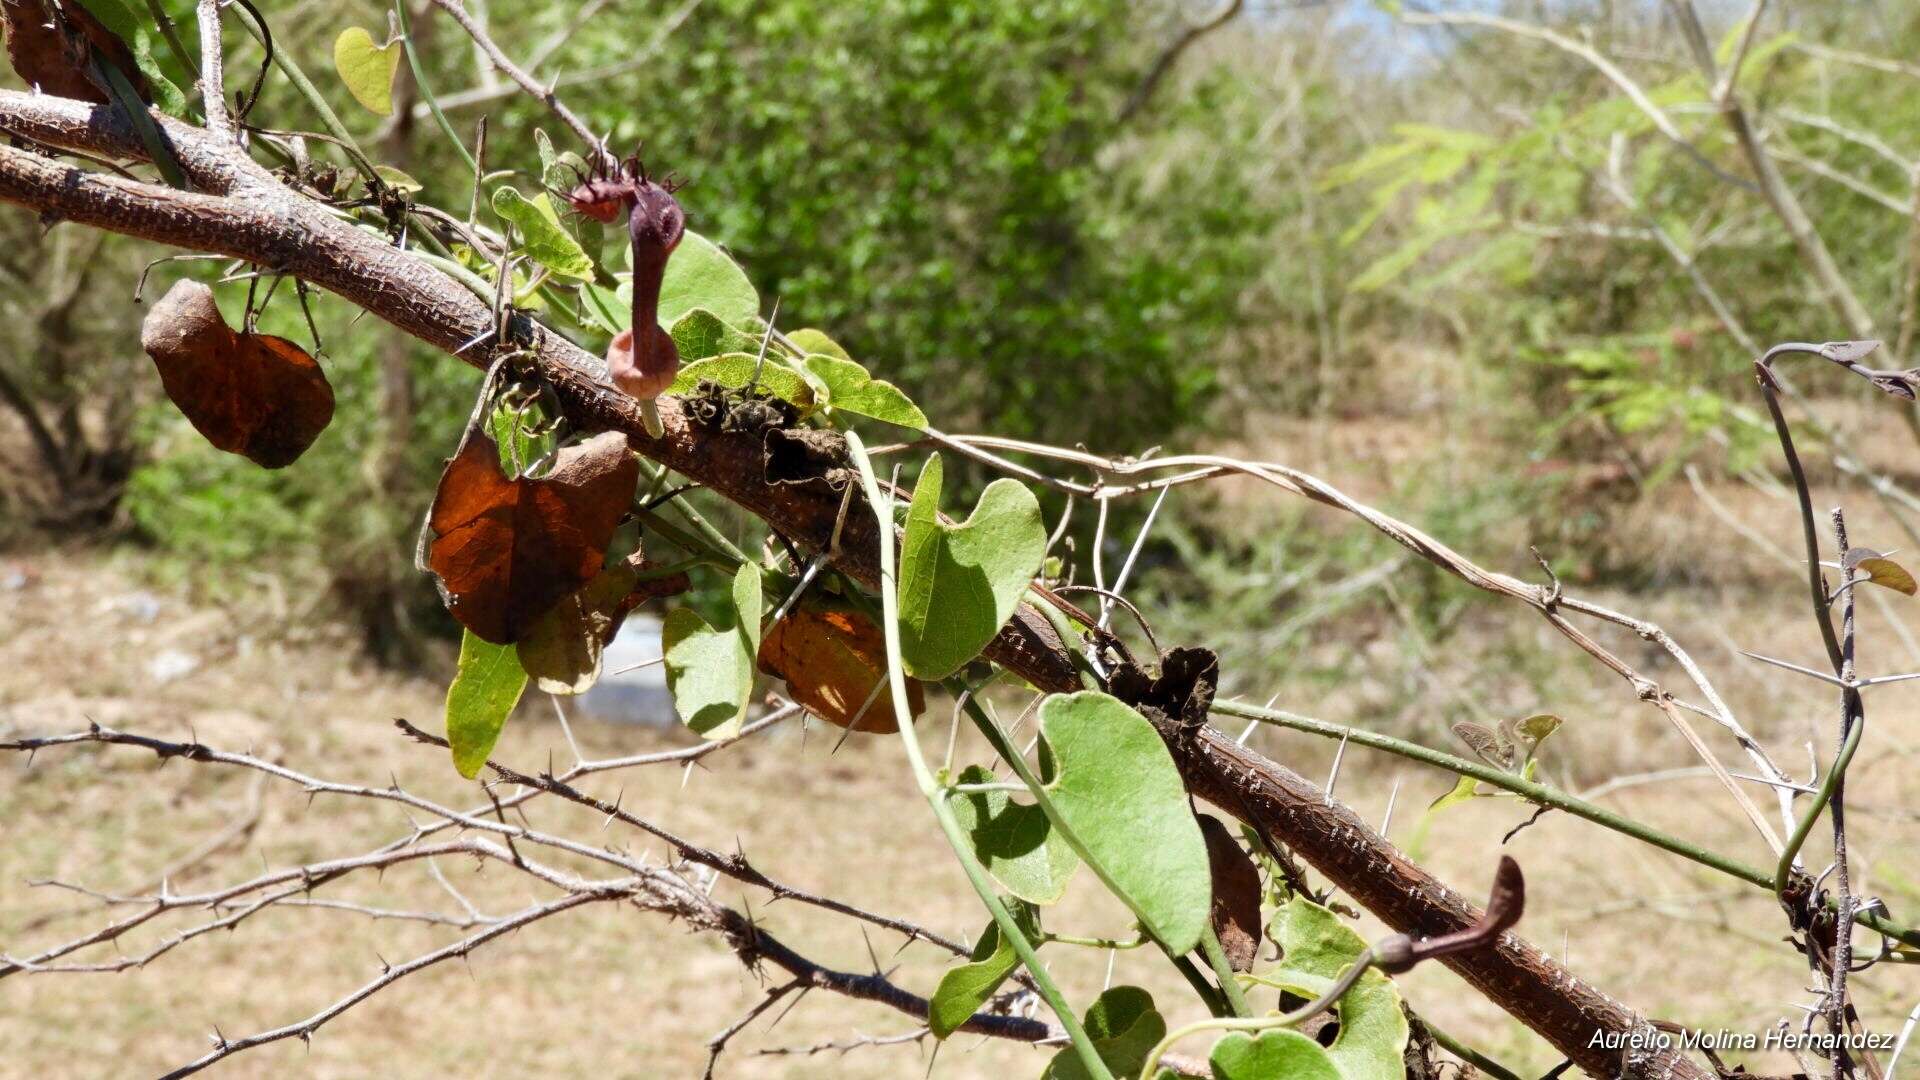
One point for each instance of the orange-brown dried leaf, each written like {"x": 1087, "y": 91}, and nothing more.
{"x": 1236, "y": 895}
{"x": 255, "y": 395}
{"x": 49, "y": 49}
{"x": 507, "y": 550}
{"x": 832, "y": 657}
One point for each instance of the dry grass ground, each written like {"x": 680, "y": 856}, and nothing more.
{"x": 613, "y": 992}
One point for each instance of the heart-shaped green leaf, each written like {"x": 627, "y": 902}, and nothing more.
{"x": 1124, "y": 1027}
{"x": 710, "y": 669}
{"x": 559, "y": 171}
{"x": 1537, "y": 727}
{"x": 700, "y": 275}
{"x": 810, "y": 341}
{"x": 1117, "y": 797}
{"x": 959, "y": 584}
{"x": 603, "y": 308}
{"x": 851, "y": 389}
{"x": 367, "y": 68}
{"x": 1016, "y": 843}
{"x": 397, "y": 180}
{"x": 1524, "y": 736}
{"x": 542, "y": 237}
{"x": 700, "y": 333}
{"x": 966, "y": 987}
{"x": 1280, "y": 1054}
{"x": 735, "y": 370}
{"x": 1463, "y": 790}
{"x": 1317, "y": 947}
{"x": 486, "y": 687}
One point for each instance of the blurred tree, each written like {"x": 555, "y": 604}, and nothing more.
{"x": 948, "y": 188}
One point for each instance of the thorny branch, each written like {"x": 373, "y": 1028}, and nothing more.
{"x": 673, "y": 889}
{"x": 273, "y": 226}
{"x": 240, "y": 210}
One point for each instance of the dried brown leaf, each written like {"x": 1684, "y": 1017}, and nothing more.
{"x": 251, "y": 394}
{"x": 1492, "y": 748}
{"x": 51, "y": 48}
{"x": 507, "y": 550}
{"x": 832, "y": 657}
{"x": 1236, "y": 894}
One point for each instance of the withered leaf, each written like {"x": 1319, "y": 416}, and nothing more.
{"x": 51, "y": 48}
{"x": 1236, "y": 894}
{"x": 1492, "y": 747}
{"x": 507, "y": 550}
{"x": 562, "y": 651}
{"x": 564, "y": 648}
{"x": 255, "y": 395}
{"x": 1879, "y": 569}
{"x": 832, "y": 657}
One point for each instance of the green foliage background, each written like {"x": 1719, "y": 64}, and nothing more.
{"x": 1317, "y": 217}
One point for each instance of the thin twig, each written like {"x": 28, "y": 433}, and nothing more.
{"x": 213, "y": 94}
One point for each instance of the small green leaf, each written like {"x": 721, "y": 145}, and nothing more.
{"x": 816, "y": 341}
{"x": 1317, "y": 947}
{"x": 966, "y": 987}
{"x": 959, "y": 584}
{"x": 367, "y": 69}
{"x": 710, "y": 669}
{"x": 1016, "y": 843}
{"x": 1463, "y": 789}
{"x": 1124, "y": 1027}
{"x": 1280, "y": 1054}
{"x": 603, "y": 308}
{"x": 851, "y": 389}
{"x": 1118, "y": 798}
{"x": 1525, "y": 736}
{"x": 548, "y": 159}
{"x": 700, "y": 275}
{"x": 735, "y": 370}
{"x": 1538, "y": 726}
{"x": 137, "y": 30}
{"x": 398, "y": 180}
{"x": 485, "y": 688}
{"x": 542, "y": 236}
{"x": 700, "y": 333}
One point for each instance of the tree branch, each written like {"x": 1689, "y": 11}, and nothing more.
{"x": 1163, "y": 64}
{"x": 274, "y": 227}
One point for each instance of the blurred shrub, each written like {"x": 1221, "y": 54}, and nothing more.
{"x": 948, "y": 188}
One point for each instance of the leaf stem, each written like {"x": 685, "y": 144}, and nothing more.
{"x": 426, "y": 91}
{"x": 1783, "y": 873}
{"x": 930, "y": 788}
{"x": 1469, "y": 1055}
{"x": 1223, "y": 973}
{"x": 328, "y": 118}
{"x": 171, "y": 34}
{"x": 1543, "y": 795}
{"x": 1095, "y": 943}
{"x": 1328, "y": 998}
